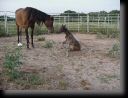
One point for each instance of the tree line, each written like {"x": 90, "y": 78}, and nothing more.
{"x": 104, "y": 13}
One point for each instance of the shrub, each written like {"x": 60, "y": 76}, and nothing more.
{"x": 12, "y": 59}
{"x": 115, "y": 51}
{"x": 48, "y": 44}
{"x": 41, "y": 39}
{"x": 108, "y": 33}
{"x": 2, "y": 32}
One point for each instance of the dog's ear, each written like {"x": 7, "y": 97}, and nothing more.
{"x": 64, "y": 25}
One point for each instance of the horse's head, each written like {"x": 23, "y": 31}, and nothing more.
{"x": 49, "y": 24}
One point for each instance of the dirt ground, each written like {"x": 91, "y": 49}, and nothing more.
{"x": 88, "y": 69}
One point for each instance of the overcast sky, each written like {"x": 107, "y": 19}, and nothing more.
{"x": 59, "y": 6}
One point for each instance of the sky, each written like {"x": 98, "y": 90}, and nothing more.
{"x": 59, "y": 6}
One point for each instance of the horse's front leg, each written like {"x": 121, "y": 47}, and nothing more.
{"x": 19, "y": 36}
{"x": 27, "y": 37}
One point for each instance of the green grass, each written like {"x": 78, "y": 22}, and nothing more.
{"x": 12, "y": 62}
{"x": 2, "y": 31}
{"x": 107, "y": 33}
{"x": 115, "y": 51}
{"x": 13, "y": 58}
{"x": 106, "y": 78}
{"x": 28, "y": 78}
{"x": 48, "y": 44}
{"x": 63, "y": 84}
{"x": 41, "y": 39}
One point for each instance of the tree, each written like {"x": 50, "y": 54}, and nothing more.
{"x": 69, "y": 12}
{"x": 114, "y": 12}
{"x": 103, "y": 13}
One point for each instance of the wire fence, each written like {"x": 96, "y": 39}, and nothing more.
{"x": 74, "y": 22}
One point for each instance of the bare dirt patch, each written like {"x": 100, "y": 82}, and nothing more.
{"x": 88, "y": 69}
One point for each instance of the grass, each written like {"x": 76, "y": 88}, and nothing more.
{"x": 60, "y": 67}
{"x": 48, "y": 44}
{"x": 13, "y": 59}
{"x": 63, "y": 85}
{"x": 2, "y": 31}
{"x": 12, "y": 62}
{"x": 106, "y": 78}
{"x": 115, "y": 51}
{"x": 107, "y": 33}
{"x": 41, "y": 39}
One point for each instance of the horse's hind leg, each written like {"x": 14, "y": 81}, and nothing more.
{"x": 32, "y": 36}
{"x": 27, "y": 37}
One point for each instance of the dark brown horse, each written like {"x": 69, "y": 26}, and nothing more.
{"x": 27, "y": 17}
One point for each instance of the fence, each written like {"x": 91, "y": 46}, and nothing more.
{"x": 74, "y": 22}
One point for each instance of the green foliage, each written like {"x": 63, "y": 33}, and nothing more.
{"x": 12, "y": 59}
{"x": 114, "y": 12}
{"x": 2, "y": 31}
{"x": 13, "y": 74}
{"x": 48, "y": 44}
{"x": 107, "y": 78}
{"x": 115, "y": 51}
{"x": 33, "y": 79}
{"x": 107, "y": 33}
{"x": 38, "y": 30}
{"x": 9, "y": 18}
{"x": 63, "y": 84}
{"x": 11, "y": 63}
{"x": 41, "y": 39}
{"x": 100, "y": 35}
{"x": 69, "y": 13}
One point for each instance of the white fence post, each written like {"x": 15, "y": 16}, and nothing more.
{"x": 108, "y": 18}
{"x": 118, "y": 21}
{"x": 107, "y": 26}
{"x": 5, "y": 23}
{"x": 104, "y": 21}
{"x": 98, "y": 20}
{"x": 64, "y": 19}
{"x": 68, "y": 20}
{"x": 78, "y": 23}
{"x": 81, "y": 22}
{"x": 59, "y": 20}
{"x": 88, "y": 23}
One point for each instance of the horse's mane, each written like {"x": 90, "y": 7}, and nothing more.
{"x": 36, "y": 15}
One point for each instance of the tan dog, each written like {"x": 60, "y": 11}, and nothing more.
{"x": 72, "y": 43}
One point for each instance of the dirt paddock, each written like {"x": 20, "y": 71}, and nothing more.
{"x": 88, "y": 69}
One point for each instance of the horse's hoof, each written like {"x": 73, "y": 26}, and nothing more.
{"x": 28, "y": 48}
{"x": 33, "y": 46}
{"x": 19, "y": 44}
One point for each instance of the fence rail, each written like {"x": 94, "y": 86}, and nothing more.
{"x": 74, "y": 22}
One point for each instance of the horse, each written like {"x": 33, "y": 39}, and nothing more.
{"x": 27, "y": 17}
{"x": 73, "y": 44}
